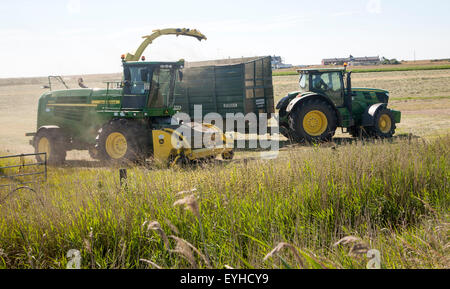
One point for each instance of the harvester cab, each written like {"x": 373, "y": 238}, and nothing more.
{"x": 150, "y": 84}
{"x": 326, "y": 100}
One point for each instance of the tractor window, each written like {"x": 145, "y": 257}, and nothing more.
{"x": 160, "y": 91}
{"x": 336, "y": 81}
{"x": 329, "y": 84}
{"x": 136, "y": 86}
{"x": 336, "y": 89}
{"x": 304, "y": 82}
{"x": 320, "y": 82}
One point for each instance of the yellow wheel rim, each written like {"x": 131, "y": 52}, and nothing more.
{"x": 315, "y": 123}
{"x": 116, "y": 145}
{"x": 385, "y": 123}
{"x": 44, "y": 146}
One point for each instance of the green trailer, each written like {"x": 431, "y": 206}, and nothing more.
{"x": 230, "y": 86}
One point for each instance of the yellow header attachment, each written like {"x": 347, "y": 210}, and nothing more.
{"x": 157, "y": 33}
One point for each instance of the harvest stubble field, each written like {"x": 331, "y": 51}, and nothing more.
{"x": 393, "y": 196}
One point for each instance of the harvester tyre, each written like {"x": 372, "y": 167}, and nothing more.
{"x": 313, "y": 121}
{"x": 50, "y": 141}
{"x": 122, "y": 140}
{"x": 384, "y": 125}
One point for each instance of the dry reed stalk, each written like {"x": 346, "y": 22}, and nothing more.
{"x": 280, "y": 247}
{"x": 190, "y": 203}
{"x": 123, "y": 244}
{"x": 155, "y": 226}
{"x": 358, "y": 246}
{"x": 88, "y": 244}
{"x": 184, "y": 251}
{"x": 172, "y": 226}
{"x": 186, "y": 246}
{"x": 151, "y": 263}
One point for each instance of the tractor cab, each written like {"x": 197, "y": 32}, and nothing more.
{"x": 150, "y": 84}
{"x": 326, "y": 82}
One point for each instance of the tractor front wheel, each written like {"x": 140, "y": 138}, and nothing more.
{"x": 384, "y": 125}
{"x": 313, "y": 121}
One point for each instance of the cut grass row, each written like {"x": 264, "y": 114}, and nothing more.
{"x": 419, "y": 98}
{"x": 394, "y": 197}
{"x": 381, "y": 69}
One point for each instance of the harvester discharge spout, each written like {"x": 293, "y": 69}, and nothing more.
{"x": 159, "y": 32}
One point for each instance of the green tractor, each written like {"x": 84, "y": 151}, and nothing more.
{"x": 128, "y": 121}
{"x": 325, "y": 103}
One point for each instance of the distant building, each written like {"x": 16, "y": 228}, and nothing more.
{"x": 277, "y": 63}
{"x": 371, "y": 60}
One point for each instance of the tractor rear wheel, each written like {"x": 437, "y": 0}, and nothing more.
{"x": 313, "y": 121}
{"x": 122, "y": 140}
{"x": 50, "y": 141}
{"x": 384, "y": 125}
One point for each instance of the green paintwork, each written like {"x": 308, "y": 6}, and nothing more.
{"x": 227, "y": 89}
{"x": 361, "y": 98}
{"x": 80, "y": 113}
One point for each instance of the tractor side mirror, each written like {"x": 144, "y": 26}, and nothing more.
{"x": 180, "y": 75}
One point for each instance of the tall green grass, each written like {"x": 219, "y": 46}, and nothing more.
{"x": 393, "y": 196}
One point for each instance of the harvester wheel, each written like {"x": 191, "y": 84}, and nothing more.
{"x": 384, "y": 125}
{"x": 122, "y": 140}
{"x": 50, "y": 141}
{"x": 313, "y": 121}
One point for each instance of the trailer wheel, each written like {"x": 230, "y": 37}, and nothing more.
{"x": 313, "y": 121}
{"x": 384, "y": 125}
{"x": 122, "y": 140}
{"x": 50, "y": 141}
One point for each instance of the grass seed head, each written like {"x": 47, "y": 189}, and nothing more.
{"x": 190, "y": 203}
{"x": 156, "y": 226}
{"x": 280, "y": 247}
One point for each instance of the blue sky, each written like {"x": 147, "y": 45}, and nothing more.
{"x": 38, "y": 38}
